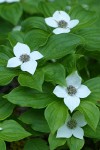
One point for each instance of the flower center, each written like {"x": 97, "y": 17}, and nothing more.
{"x": 62, "y": 24}
{"x": 72, "y": 124}
{"x": 24, "y": 58}
{"x": 71, "y": 90}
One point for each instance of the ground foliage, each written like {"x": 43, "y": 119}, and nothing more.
{"x": 28, "y": 108}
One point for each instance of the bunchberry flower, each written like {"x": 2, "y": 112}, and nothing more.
{"x": 17, "y": 28}
{"x": 9, "y": 1}
{"x": 72, "y": 126}
{"x": 61, "y": 22}
{"x": 1, "y": 128}
{"x": 68, "y": 7}
{"x": 73, "y": 91}
{"x": 2, "y": 1}
{"x": 24, "y": 58}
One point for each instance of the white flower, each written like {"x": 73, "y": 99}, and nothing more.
{"x": 68, "y": 7}
{"x": 85, "y": 6}
{"x": 17, "y": 28}
{"x": 24, "y": 58}
{"x": 1, "y": 128}
{"x": 53, "y": 60}
{"x": 72, "y": 126}
{"x": 73, "y": 91}
{"x": 61, "y": 21}
{"x": 51, "y": 0}
{"x": 9, "y": 1}
{"x": 2, "y": 1}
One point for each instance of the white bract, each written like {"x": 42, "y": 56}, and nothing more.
{"x": 73, "y": 91}
{"x": 1, "y": 128}
{"x": 24, "y": 58}
{"x": 61, "y": 22}
{"x": 72, "y": 126}
{"x": 9, "y": 1}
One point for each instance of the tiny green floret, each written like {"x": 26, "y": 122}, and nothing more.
{"x": 71, "y": 90}
{"x": 62, "y": 24}
{"x": 24, "y": 58}
{"x": 72, "y": 124}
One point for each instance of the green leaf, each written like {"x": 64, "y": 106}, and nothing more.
{"x": 69, "y": 62}
{"x": 85, "y": 17}
{"x": 31, "y": 6}
{"x": 36, "y": 144}
{"x": 3, "y": 58}
{"x": 29, "y": 98}
{"x": 2, "y": 145}
{"x": 3, "y": 38}
{"x": 90, "y": 111}
{"x": 55, "y": 73}
{"x": 56, "y": 114}
{"x": 56, "y": 142}
{"x": 82, "y": 63}
{"x": 34, "y": 81}
{"x": 91, "y": 133}
{"x": 94, "y": 86}
{"x": 5, "y": 54}
{"x": 6, "y": 75}
{"x": 11, "y": 12}
{"x": 6, "y": 108}
{"x": 48, "y": 8}
{"x": 12, "y": 131}
{"x": 75, "y": 143}
{"x": 6, "y": 50}
{"x": 5, "y": 26}
{"x": 36, "y": 119}
{"x": 93, "y": 54}
{"x": 61, "y": 4}
{"x": 60, "y": 45}
{"x": 15, "y": 37}
{"x": 92, "y": 38}
{"x": 36, "y": 38}
{"x": 34, "y": 23}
